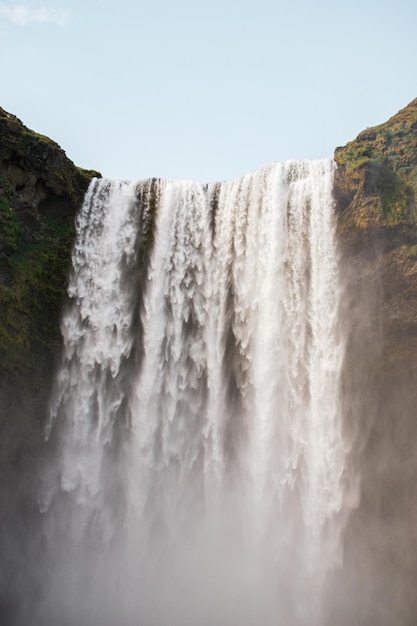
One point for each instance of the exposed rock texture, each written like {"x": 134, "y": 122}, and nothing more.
{"x": 40, "y": 192}
{"x": 376, "y": 192}
{"x": 378, "y": 173}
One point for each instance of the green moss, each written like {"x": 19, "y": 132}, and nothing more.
{"x": 14, "y": 327}
{"x": 40, "y": 192}
{"x": 356, "y": 156}
{"x": 394, "y": 192}
{"x": 411, "y": 251}
{"x": 30, "y": 311}
{"x": 9, "y": 227}
{"x": 381, "y": 164}
{"x": 31, "y": 303}
{"x": 90, "y": 174}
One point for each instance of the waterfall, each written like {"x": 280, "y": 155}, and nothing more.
{"x": 198, "y": 467}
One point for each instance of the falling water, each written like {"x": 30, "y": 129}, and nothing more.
{"x": 199, "y": 466}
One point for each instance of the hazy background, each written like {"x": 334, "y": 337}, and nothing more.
{"x": 204, "y": 90}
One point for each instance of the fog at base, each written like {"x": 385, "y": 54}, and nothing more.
{"x": 199, "y": 472}
{"x": 206, "y": 581}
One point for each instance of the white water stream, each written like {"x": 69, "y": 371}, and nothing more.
{"x": 199, "y": 470}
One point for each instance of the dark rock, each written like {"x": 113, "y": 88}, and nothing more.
{"x": 40, "y": 193}
{"x": 376, "y": 200}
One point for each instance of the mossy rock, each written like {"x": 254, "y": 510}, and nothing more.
{"x": 41, "y": 191}
{"x": 377, "y": 172}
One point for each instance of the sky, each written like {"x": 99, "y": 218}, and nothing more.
{"x": 204, "y": 90}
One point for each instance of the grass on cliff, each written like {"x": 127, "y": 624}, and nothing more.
{"x": 33, "y": 287}
{"x": 382, "y": 161}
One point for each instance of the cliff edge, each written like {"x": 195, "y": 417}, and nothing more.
{"x": 376, "y": 204}
{"x": 40, "y": 193}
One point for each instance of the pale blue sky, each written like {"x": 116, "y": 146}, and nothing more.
{"x": 204, "y": 90}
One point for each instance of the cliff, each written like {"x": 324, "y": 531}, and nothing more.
{"x": 376, "y": 195}
{"x": 376, "y": 202}
{"x": 378, "y": 173}
{"x": 40, "y": 192}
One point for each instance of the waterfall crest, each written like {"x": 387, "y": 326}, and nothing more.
{"x": 200, "y": 463}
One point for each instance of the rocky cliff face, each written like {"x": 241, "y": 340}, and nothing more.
{"x": 40, "y": 192}
{"x": 376, "y": 194}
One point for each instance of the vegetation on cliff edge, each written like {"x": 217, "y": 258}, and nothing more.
{"x": 378, "y": 171}
{"x": 376, "y": 201}
{"x": 40, "y": 193}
